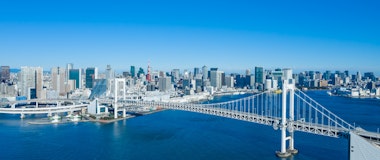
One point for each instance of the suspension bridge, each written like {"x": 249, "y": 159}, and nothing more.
{"x": 290, "y": 111}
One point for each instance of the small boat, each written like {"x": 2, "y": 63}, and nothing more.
{"x": 377, "y": 97}
{"x": 55, "y": 119}
{"x": 76, "y": 118}
{"x": 329, "y": 93}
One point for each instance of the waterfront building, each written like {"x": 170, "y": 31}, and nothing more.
{"x": 91, "y": 75}
{"x": 216, "y": 78}
{"x": 31, "y": 82}
{"x": 5, "y": 74}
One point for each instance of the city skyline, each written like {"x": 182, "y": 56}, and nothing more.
{"x": 233, "y": 36}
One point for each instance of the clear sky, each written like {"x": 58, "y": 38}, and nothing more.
{"x": 231, "y": 35}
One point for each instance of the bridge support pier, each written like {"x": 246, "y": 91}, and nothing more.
{"x": 285, "y": 125}
{"x": 124, "y": 113}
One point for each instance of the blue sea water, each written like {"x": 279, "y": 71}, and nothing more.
{"x": 176, "y": 135}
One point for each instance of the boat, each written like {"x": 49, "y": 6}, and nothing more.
{"x": 329, "y": 93}
{"x": 55, "y": 119}
{"x": 377, "y": 97}
{"x": 76, "y": 118}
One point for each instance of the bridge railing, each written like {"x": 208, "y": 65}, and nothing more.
{"x": 310, "y": 111}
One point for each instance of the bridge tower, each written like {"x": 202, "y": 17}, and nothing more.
{"x": 287, "y": 126}
{"x": 117, "y": 81}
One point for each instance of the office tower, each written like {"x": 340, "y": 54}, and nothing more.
{"x": 205, "y": 72}
{"x": 164, "y": 84}
{"x": 58, "y": 76}
{"x": 229, "y": 81}
{"x": 248, "y": 72}
{"x": 216, "y": 78}
{"x": 196, "y": 71}
{"x": 133, "y": 71}
{"x": 141, "y": 73}
{"x": 5, "y": 74}
{"x": 69, "y": 66}
{"x": 76, "y": 75}
{"x": 175, "y": 75}
{"x": 31, "y": 82}
{"x": 259, "y": 75}
{"x": 359, "y": 76}
{"x": 91, "y": 75}
{"x": 110, "y": 74}
{"x": 288, "y": 73}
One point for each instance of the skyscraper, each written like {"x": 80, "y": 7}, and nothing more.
{"x": 196, "y": 71}
{"x": 205, "y": 73}
{"x": 259, "y": 75}
{"x": 76, "y": 75}
{"x": 5, "y": 74}
{"x": 133, "y": 71}
{"x": 31, "y": 82}
{"x": 91, "y": 75}
{"x": 164, "y": 84}
{"x": 69, "y": 66}
{"x": 216, "y": 78}
{"x": 58, "y": 76}
{"x": 110, "y": 74}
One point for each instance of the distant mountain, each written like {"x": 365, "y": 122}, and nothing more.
{"x": 14, "y": 70}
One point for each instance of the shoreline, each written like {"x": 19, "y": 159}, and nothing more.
{"x": 64, "y": 121}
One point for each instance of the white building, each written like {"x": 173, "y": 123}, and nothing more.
{"x": 31, "y": 79}
{"x": 216, "y": 78}
{"x": 230, "y": 81}
{"x": 58, "y": 76}
{"x": 164, "y": 84}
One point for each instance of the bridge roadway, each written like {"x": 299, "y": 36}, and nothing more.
{"x": 43, "y": 110}
{"x": 308, "y": 127}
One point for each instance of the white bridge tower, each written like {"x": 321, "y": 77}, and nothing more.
{"x": 287, "y": 126}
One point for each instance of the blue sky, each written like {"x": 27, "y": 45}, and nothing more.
{"x": 231, "y": 35}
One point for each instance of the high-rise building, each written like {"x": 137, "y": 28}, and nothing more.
{"x": 91, "y": 75}
{"x": 259, "y": 75}
{"x": 69, "y": 66}
{"x": 288, "y": 73}
{"x": 196, "y": 71}
{"x": 5, "y": 74}
{"x": 76, "y": 75}
{"x": 31, "y": 82}
{"x": 175, "y": 75}
{"x": 110, "y": 74}
{"x": 247, "y": 72}
{"x": 216, "y": 78}
{"x": 133, "y": 71}
{"x": 58, "y": 76}
{"x": 229, "y": 81}
{"x": 164, "y": 84}
{"x": 205, "y": 73}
